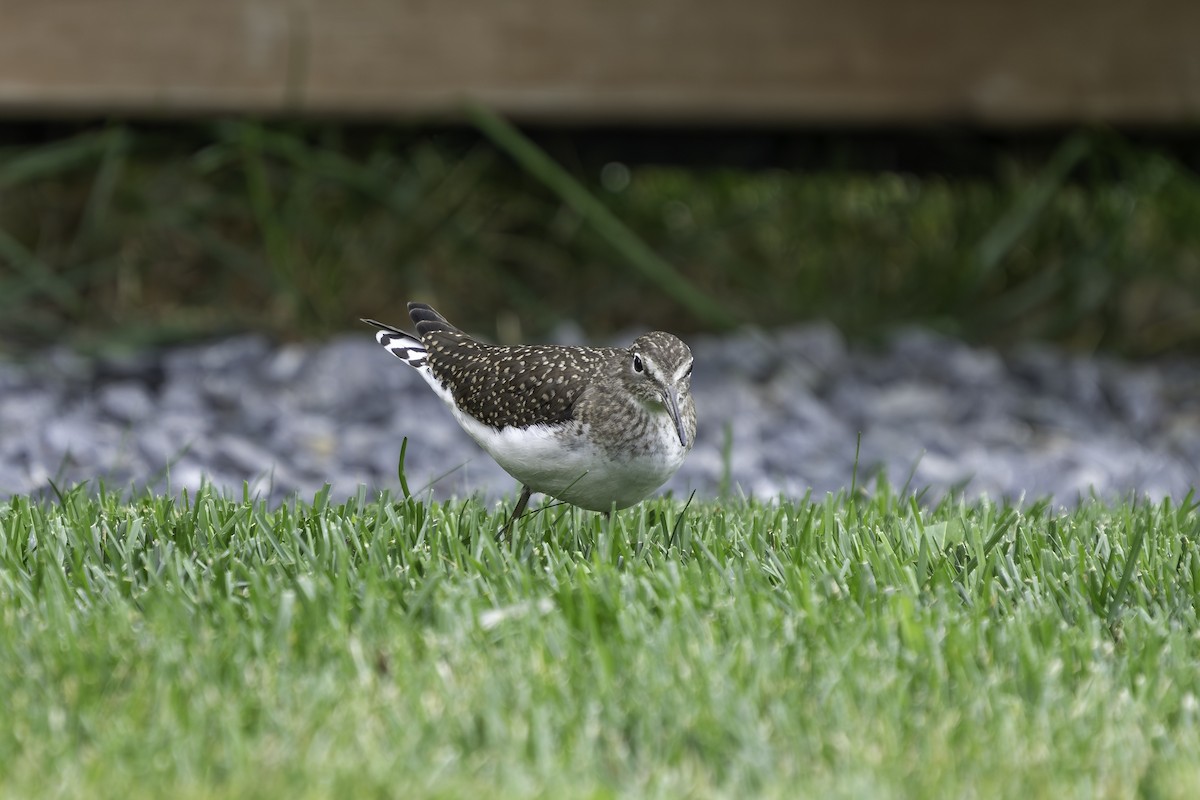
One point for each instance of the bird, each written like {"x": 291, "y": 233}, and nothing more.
{"x": 595, "y": 427}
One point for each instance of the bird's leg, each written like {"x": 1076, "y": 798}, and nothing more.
{"x": 517, "y": 512}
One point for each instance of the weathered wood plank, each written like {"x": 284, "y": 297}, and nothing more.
{"x": 758, "y": 61}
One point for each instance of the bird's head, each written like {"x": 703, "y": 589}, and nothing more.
{"x": 658, "y": 372}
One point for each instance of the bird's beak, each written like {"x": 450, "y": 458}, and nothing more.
{"x": 671, "y": 401}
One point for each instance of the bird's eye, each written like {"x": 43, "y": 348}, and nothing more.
{"x": 637, "y": 364}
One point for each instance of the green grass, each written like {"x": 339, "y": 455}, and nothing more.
{"x": 142, "y": 234}
{"x": 867, "y": 647}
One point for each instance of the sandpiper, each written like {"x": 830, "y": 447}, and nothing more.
{"x": 596, "y": 427}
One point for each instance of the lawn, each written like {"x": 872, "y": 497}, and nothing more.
{"x": 856, "y": 646}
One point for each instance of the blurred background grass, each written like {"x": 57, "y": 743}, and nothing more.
{"x": 115, "y": 234}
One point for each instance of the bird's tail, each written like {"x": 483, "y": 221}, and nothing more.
{"x": 403, "y": 346}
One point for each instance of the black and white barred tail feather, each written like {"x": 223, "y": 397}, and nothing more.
{"x": 403, "y": 346}
{"x": 406, "y": 347}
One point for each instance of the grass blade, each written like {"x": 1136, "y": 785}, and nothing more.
{"x": 651, "y": 266}
{"x": 1135, "y": 549}
{"x": 400, "y": 469}
{"x": 1024, "y": 214}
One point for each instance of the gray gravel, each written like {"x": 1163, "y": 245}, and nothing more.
{"x": 779, "y": 414}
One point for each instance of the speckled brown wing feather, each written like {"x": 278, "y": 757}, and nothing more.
{"x": 514, "y": 386}
{"x": 507, "y": 386}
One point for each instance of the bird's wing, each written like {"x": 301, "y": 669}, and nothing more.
{"x": 521, "y": 385}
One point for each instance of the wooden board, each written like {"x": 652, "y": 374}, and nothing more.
{"x": 1018, "y": 62}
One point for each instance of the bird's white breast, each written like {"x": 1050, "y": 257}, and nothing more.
{"x": 563, "y": 462}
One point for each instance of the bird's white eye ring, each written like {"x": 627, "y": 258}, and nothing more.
{"x": 637, "y": 364}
